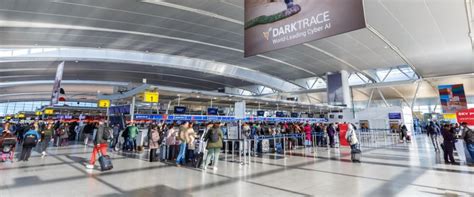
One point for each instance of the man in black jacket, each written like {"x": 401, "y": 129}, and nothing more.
{"x": 88, "y": 132}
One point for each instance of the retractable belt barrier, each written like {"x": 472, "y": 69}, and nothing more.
{"x": 375, "y": 138}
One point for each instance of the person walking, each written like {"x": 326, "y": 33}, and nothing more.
{"x": 183, "y": 143}
{"x": 63, "y": 134}
{"x": 115, "y": 133}
{"x": 100, "y": 143}
{"x": 153, "y": 143}
{"x": 331, "y": 133}
{"x": 403, "y": 133}
{"x": 47, "y": 135}
{"x": 88, "y": 133}
{"x": 433, "y": 132}
{"x": 214, "y": 146}
{"x": 448, "y": 144}
{"x": 30, "y": 139}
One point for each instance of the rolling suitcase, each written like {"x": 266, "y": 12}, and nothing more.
{"x": 105, "y": 163}
{"x": 163, "y": 152}
{"x": 279, "y": 148}
{"x": 198, "y": 160}
{"x": 355, "y": 155}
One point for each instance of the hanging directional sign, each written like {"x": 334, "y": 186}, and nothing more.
{"x": 48, "y": 111}
{"x": 104, "y": 103}
{"x": 151, "y": 97}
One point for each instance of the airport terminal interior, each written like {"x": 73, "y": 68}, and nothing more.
{"x": 236, "y": 98}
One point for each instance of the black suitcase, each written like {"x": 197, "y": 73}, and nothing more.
{"x": 198, "y": 160}
{"x": 105, "y": 163}
{"x": 355, "y": 155}
{"x": 163, "y": 152}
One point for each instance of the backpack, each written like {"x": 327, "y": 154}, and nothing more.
{"x": 30, "y": 140}
{"x": 106, "y": 135}
{"x": 214, "y": 136}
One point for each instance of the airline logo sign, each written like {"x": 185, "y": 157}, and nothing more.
{"x": 275, "y": 25}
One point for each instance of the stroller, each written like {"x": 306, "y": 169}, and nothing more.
{"x": 8, "y": 148}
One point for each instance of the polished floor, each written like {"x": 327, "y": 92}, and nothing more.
{"x": 392, "y": 170}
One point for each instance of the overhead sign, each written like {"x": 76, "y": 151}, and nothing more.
{"x": 122, "y": 109}
{"x": 452, "y": 98}
{"x": 151, "y": 97}
{"x": 271, "y": 25}
{"x": 466, "y": 115}
{"x": 449, "y": 116}
{"x": 38, "y": 113}
{"x": 212, "y": 111}
{"x": 179, "y": 110}
{"x": 21, "y": 115}
{"x": 104, "y": 103}
{"x": 394, "y": 116}
{"x": 48, "y": 111}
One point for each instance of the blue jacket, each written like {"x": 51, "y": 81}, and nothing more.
{"x": 32, "y": 132}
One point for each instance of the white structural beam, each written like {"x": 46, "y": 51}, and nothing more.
{"x": 151, "y": 59}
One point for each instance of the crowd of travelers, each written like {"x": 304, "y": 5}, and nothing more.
{"x": 445, "y": 136}
{"x": 185, "y": 142}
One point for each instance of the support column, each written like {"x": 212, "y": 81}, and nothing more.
{"x": 370, "y": 98}
{"x": 132, "y": 110}
{"x": 383, "y": 98}
{"x": 416, "y": 94}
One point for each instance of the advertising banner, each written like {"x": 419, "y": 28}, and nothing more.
{"x": 342, "y": 134}
{"x": 452, "y": 98}
{"x": 466, "y": 115}
{"x": 334, "y": 88}
{"x": 57, "y": 84}
{"x": 276, "y": 24}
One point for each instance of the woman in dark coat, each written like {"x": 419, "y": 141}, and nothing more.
{"x": 448, "y": 144}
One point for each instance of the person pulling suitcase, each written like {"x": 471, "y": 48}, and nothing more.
{"x": 351, "y": 137}
{"x": 100, "y": 146}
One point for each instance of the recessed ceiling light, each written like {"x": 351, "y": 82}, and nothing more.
{"x": 386, "y": 47}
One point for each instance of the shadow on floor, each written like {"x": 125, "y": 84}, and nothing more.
{"x": 159, "y": 190}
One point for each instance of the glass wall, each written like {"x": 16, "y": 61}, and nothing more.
{"x": 15, "y": 107}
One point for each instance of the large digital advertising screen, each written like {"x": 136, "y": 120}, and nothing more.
{"x": 276, "y": 24}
